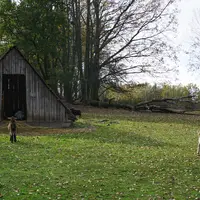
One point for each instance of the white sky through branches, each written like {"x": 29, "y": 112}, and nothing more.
{"x": 184, "y": 38}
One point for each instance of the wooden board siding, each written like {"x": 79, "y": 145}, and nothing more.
{"x": 42, "y": 104}
{"x": 13, "y": 63}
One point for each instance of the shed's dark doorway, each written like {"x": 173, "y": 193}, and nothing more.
{"x": 14, "y": 94}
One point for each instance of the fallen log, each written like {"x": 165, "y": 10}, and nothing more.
{"x": 168, "y": 105}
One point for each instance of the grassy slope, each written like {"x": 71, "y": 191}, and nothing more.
{"x": 142, "y": 157}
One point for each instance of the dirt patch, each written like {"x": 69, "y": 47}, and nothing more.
{"x": 27, "y": 130}
{"x": 91, "y": 109}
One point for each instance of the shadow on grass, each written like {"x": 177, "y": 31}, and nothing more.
{"x": 102, "y": 134}
{"x": 151, "y": 117}
{"x": 113, "y": 135}
{"x": 166, "y": 118}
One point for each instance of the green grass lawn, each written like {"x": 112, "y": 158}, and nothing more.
{"x": 133, "y": 156}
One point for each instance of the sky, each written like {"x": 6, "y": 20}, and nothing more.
{"x": 184, "y": 38}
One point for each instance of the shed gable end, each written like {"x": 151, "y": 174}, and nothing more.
{"x": 42, "y": 105}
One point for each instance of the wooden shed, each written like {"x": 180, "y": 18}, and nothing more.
{"x": 22, "y": 89}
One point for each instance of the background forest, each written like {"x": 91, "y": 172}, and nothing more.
{"x": 86, "y": 50}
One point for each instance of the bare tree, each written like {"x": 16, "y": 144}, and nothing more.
{"x": 128, "y": 38}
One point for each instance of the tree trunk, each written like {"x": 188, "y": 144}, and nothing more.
{"x": 78, "y": 40}
{"x": 95, "y": 68}
{"x": 87, "y": 56}
{"x": 95, "y": 88}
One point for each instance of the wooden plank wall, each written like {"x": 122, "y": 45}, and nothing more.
{"x": 13, "y": 63}
{"x": 42, "y": 104}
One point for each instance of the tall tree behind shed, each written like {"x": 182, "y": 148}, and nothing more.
{"x": 127, "y": 38}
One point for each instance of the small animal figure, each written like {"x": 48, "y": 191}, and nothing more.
{"x": 12, "y": 127}
{"x": 75, "y": 112}
{"x": 198, "y": 146}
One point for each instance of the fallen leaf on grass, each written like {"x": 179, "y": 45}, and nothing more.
{"x": 1, "y": 195}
